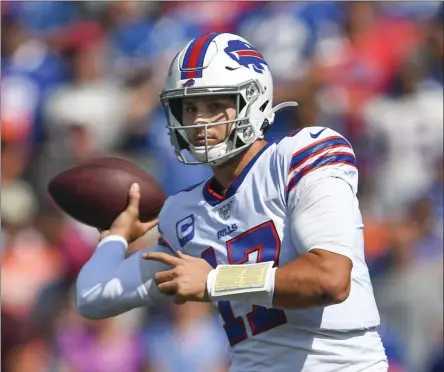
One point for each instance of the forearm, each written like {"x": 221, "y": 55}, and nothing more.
{"x": 108, "y": 284}
{"x": 309, "y": 281}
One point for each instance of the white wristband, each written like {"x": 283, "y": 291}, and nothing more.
{"x": 253, "y": 283}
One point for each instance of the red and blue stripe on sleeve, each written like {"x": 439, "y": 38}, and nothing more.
{"x": 334, "y": 150}
{"x": 161, "y": 240}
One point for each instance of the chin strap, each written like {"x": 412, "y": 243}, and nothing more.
{"x": 282, "y": 105}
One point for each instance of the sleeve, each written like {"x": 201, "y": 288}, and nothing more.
{"x": 108, "y": 284}
{"x": 165, "y": 228}
{"x": 325, "y": 218}
{"x": 311, "y": 158}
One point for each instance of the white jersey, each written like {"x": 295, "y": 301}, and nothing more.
{"x": 252, "y": 223}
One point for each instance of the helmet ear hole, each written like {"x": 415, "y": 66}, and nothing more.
{"x": 262, "y": 108}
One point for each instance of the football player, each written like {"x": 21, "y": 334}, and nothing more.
{"x": 274, "y": 239}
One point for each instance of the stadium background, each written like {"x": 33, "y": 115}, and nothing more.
{"x": 82, "y": 79}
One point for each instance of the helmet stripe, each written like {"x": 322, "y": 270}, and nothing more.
{"x": 187, "y": 55}
{"x": 195, "y": 55}
{"x": 207, "y": 43}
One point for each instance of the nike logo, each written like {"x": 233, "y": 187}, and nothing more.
{"x": 316, "y": 135}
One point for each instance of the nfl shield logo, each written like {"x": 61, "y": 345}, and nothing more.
{"x": 225, "y": 210}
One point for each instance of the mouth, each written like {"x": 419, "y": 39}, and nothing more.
{"x": 200, "y": 141}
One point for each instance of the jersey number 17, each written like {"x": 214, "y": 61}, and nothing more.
{"x": 265, "y": 240}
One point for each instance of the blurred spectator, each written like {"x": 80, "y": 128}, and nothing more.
{"x": 30, "y": 69}
{"x": 29, "y": 263}
{"x": 297, "y": 28}
{"x": 409, "y": 122}
{"x": 195, "y": 342}
{"x": 428, "y": 244}
{"x": 77, "y": 344}
{"x": 410, "y": 292}
{"x": 411, "y": 300}
{"x": 429, "y": 56}
{"x": 14, "y": 158}
{"x": 219, "y": 16}
{"x": 97, "y": 346}
{"x": 130, "y": 26}
{"x": 354, "y": 65}
{"x": 43, "y": 16}
{"x": 94, "y": 106}
{"x": 436, "y": 196}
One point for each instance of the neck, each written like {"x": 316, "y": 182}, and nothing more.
{"x": 226, "y": 173}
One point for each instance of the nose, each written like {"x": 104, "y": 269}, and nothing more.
{"x": 201, "y": 118}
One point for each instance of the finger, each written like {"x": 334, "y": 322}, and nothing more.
{"x": 164, "y": 276}
{"x": 147, "y": 226}
{"x": 184, "y": 256}
{"x": 162, "y": 257}
{"x": 168, "y": 288}
{"x": 134, "y": 198}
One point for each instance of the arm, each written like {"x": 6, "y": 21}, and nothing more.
{"x": 109, "y": 284}
{"x": 317, "y": 278}
{"x": 323, "y": 228}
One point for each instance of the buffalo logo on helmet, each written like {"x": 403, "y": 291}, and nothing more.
{"x": 246, "y": 55}
{"x": 189, "y": 83}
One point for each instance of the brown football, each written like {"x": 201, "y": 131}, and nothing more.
{"x": 96, "y": 192}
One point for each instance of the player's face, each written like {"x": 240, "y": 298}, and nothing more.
{"x": 205, "y": 110}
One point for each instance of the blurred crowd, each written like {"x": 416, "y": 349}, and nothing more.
{"x": 81, "y": 79}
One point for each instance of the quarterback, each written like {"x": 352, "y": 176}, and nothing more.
{"x": 274, "y": 239}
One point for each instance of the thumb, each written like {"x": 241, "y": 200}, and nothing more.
{"x": 134, "y": 198}
{"x": 150, "y": 224}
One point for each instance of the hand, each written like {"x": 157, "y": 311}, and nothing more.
{"x": 187, "y": 281}
{"x": 127, "y": 224}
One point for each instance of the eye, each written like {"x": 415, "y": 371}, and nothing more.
{"x": 217, "y": 106}
{"x": 190, "y": 109}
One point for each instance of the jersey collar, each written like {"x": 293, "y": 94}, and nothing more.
{"x": 213, "y": 198}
